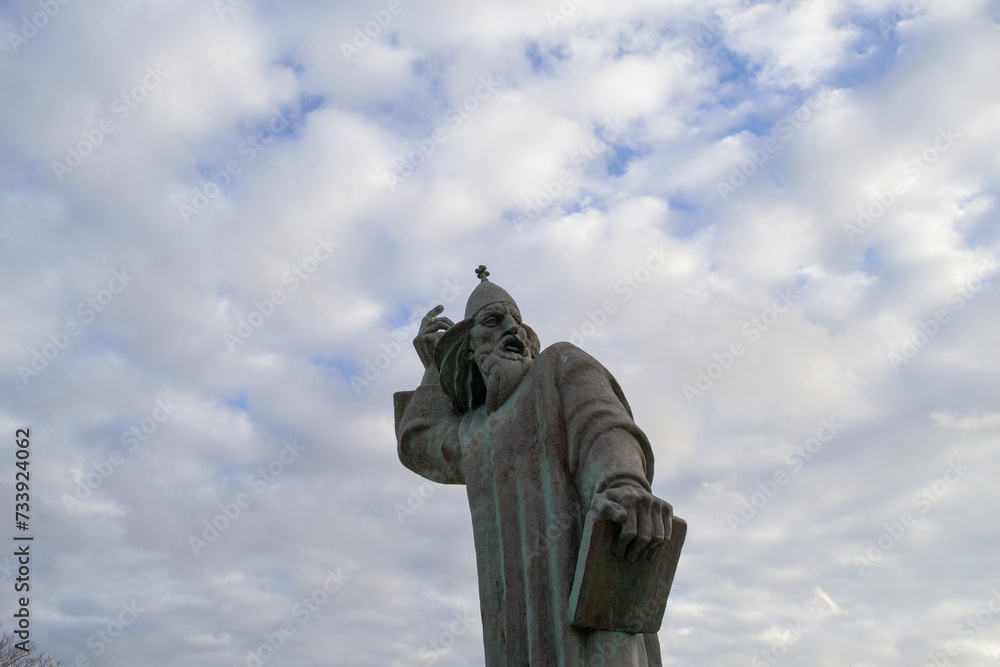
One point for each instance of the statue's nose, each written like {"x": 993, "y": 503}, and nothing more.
{"x": 509, "y": 325}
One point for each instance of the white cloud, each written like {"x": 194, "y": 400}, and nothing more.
{"x": 972, "y": 422}
{"x": 891, "y": 92}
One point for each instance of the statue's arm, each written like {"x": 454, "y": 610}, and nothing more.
{"x": 606, "y": 448}
{"x": 609, "y": 456}
{"x": 427, "y": 435}
{"x": 426, "y": 420}
{"x": 613, "y": 460}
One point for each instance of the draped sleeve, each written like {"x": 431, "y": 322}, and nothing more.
{"x": 605, "y": 448}
{"x": 427, "y": 434}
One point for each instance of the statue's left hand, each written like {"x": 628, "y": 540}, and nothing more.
{"x": 646, "y": 520}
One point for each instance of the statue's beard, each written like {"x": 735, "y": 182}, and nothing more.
{"x": 502, "y": 369}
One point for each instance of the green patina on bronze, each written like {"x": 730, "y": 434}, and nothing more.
{"x": 546, "y": 446}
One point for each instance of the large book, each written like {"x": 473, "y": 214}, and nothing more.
{"x": 611, "y": 593}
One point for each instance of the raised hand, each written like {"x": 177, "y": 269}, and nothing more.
{"x": 432, "y": 328}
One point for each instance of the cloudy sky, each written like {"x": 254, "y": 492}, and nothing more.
{"x": 774, "y": 222}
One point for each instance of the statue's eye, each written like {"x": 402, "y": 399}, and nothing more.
{"x": 490, "y": 321}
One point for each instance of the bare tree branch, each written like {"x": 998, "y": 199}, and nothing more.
{"x": 12, "y": 656}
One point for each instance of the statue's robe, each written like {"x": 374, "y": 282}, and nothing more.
{"x": 531, "y": 469}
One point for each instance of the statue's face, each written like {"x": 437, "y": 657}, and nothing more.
{"x": 498, "y": 336}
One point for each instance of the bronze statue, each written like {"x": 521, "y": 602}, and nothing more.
{"x": 541, "y": 439}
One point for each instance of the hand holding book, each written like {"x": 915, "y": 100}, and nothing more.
{"x": 628, "y": 555}
{"x": 645, "y": 519}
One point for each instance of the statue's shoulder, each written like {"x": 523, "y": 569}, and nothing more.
{"x": 563, "y": 355}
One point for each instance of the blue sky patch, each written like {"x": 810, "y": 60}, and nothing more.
{"x": 238, "y": 401}
{"x": 344, "y": 365}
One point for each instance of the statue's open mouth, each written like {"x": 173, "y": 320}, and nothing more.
{"x": 513, "y": 345}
